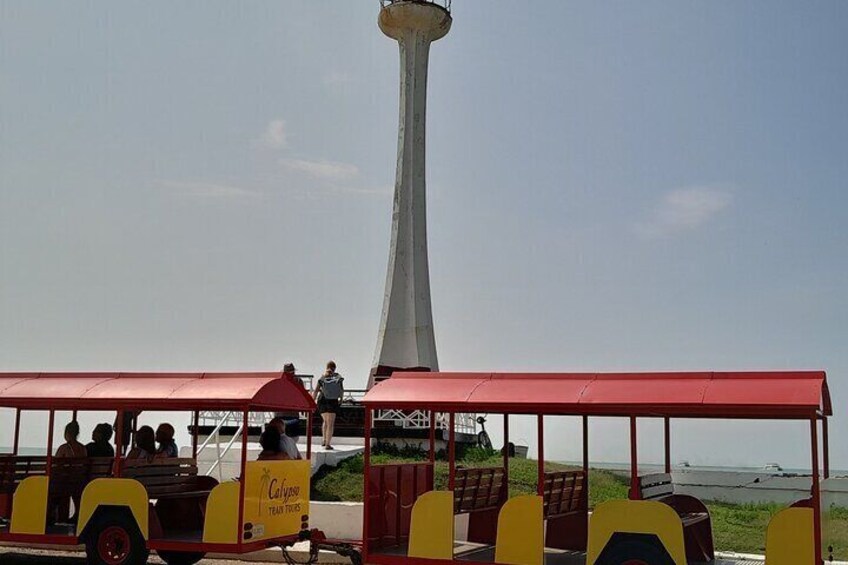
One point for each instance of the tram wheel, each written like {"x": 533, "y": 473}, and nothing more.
{"x": 113, "y": 538}
{"x": 180, "y": 557}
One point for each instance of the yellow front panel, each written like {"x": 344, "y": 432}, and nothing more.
{"x": 431, "y": 529}
{"x": 790, "y": 538}
{"x": 29, "y": 506}
{"x": 220, "y": 525}
{"x": 115, "y": 492}
{"x": 521, "y": 537}
{"x": 638, "y": 517}
{"x": 276, "y": 498}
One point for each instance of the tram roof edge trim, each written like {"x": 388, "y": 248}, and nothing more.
{"x": 150, "y": 391}
{"x": 741, "y": 394}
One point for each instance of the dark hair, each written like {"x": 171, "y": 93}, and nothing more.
{"x": 73, "y": 429}
{"x": 331, "y": 365}
{"x": 104, "y": 430}
{"x": 145, "y": 439}
{"x": 270, "y": 439}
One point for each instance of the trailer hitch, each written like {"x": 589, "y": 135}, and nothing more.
{"x": 319, "y": 542}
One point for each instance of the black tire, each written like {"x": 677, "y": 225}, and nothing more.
{"x": 180, "y": 557}
{"x": 113, "y": 538}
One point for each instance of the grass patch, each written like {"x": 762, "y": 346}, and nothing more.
{"x": 736, "y": 527}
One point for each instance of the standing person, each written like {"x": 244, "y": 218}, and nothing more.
{"x": 328, "y": 394}
{"x": 291, "y": 418}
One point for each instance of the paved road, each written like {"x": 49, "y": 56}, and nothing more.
{"x": 17, "y": 556}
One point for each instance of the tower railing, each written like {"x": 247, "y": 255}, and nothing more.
{"x": 446, "y": 4}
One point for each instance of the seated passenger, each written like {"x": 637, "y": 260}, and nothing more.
{"x": 145, "y": 444}
{"x": 287, "y": 444}
{"x": 270, "y": 442}
{"x": 72, "y": 447}
{"x": 167, "y": 446}
{"x": 100, "y": 446}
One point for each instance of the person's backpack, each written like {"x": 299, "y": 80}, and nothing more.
{"x": 331, "y": 387}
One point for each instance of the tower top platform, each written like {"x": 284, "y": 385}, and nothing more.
{"x": 445, "y": 4}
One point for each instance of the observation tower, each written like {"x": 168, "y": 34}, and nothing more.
{"x": 406, "y": 340}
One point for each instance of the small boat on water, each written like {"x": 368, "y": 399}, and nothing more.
{"x": 773, "y": 467}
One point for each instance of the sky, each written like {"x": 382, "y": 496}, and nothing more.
{"x": 207, "y": 186}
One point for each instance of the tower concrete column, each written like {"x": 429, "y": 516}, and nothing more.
{"x": 406, "y": 340}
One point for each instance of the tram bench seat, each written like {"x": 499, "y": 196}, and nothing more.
{"x": 478, "y": 490}
{"x": 169, "y": 478}
{"x": 480, "y": 493}
{"x": 15, "y": 468}
{"x": 659, "y": 487}
{"x": 566, "y": 509}
{"x": 70, "y": 475}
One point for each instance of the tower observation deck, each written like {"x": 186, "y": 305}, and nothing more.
{"x": 406, "y": 340}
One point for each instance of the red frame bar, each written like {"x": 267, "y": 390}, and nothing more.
{"x": 243, "y": 478}
{"x": 451, "y": 451}
{"x": 51, "y": 421}
{"x": 634, "y": 462}
{"x": 540, "y": 430}
{"x": 667, "y": 434}
{"x": 17, "y": 431}
{"x": 816, "y": 491}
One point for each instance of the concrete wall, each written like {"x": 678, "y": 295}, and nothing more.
{"x": 753, "y": 488}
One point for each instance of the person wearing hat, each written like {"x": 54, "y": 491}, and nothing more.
{"x": 291, "y": 418}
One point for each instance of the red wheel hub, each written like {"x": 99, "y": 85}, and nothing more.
{"x": 113, "y": 545}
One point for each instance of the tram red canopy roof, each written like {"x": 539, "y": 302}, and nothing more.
{"x": 152, "y": 391}
{"x": 781, "y": 394}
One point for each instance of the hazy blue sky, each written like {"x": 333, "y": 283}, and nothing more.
{"x": 613, "y": 185}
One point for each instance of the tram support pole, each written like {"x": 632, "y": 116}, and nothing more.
{"x": 667, "y": 430}
{"x": 50, "y": 420}
{"x": 586, "y": 446}
{"x": 432, "y": 452}
{"x": 634, "y": 462}
{"x": 540, "y": 481}
{"x": 17, "y": 431}
{"x": 452, "y": 451}
{"x": 825, "y": 448}
{"x": 245, "y": 433}
{"x": 816, "y": 491}
{"x": 119, "y": 440}
{"x": 506, "y": 455}
{"x": 195, "y": 430}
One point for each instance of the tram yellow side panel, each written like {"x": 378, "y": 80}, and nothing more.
{"x": 521, "y": 532}
{"x": 29, "y": 506}
{"x": 221, "y": 522}
{"x": 637, "y": 517}
{"x": 276, "y": 498}
{"x": 115, "y": 492}
{"x": 432, "y": 527}
{"x": 790, "y": 538}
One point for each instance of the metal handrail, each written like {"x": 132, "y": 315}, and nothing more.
{"x": 217, "y": 462}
